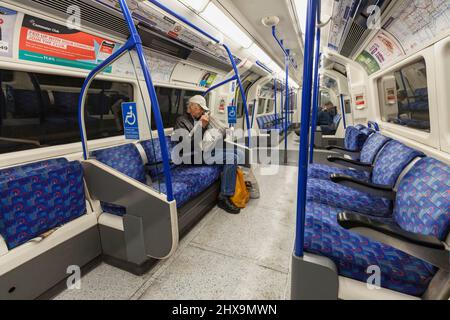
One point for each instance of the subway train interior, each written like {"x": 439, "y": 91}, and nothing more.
{"x": 225, "y": 150}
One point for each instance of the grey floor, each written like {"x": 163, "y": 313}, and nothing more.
{"x": 246, "y": 256}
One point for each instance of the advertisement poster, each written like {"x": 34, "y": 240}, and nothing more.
{"x": 368, "y": 61}
{"x": 47, "y": 42}
{"x": 7, "y": 22}
{"x": 208, "y": 79}
{"x": 381, "y": 51}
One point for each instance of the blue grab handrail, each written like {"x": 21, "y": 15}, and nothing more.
{"x": 313, "y": 6}
{"x": 343, "y": 111}
{"x": 263, "y": 66}
{"x": 133, "y": 43}
{"x": 230, "y": 55}
{"x": 254, "y": 112}
{"x": 316, "y": 99}
{"x": 275, "y": 87}
{"x": 374, "y": 125}
{"x": 233, "y": 78}
{"x": 287, "y": 62}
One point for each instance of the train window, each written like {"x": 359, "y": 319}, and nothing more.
{"x": 261, "y": 106}
{"x": 270, "y": 106}
{"x": 404, "y": 96}
{"x": 173, "y": 103}
{"x": 39, "y": 110}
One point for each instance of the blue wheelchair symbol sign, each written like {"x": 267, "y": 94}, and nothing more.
{"x": 232, "y": 114}
{"x": 130, "y": 120}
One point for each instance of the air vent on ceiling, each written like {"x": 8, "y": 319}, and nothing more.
{"x": 203, "y": 57}
{"x": 357, "y": 29}
{"x": 160, "y": 42}
{"x": 93, "y": 15}
{"x": 355, "y": 33}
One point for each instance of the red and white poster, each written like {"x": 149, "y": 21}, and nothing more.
{"x": 47, "y": 42}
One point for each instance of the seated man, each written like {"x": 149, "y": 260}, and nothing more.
{"x": 197, "y": 122}
{"x": 326, "y": 114}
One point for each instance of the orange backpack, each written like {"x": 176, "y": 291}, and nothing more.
{"x": 242, "y": 195}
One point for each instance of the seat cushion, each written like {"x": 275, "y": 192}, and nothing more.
{"x": 40, "y": 201}
{"x": 324, "y": 172}
{"x": 189, "y": 181}
{"x": 353, "y": 254}
{"x": 345, "y": 198}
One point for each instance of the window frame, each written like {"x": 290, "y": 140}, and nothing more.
{"x": 67, "y": 150}
{"x": 431, "y": 138}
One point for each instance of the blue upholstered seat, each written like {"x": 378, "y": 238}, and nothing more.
{"x": 423, "y": 199}
{"x": 353, "y": 254}
{"x": 393, "y": 159}
{"x": 187, "y": 181}
{"x": 368, "y": 154}
{"x": 346, "y": 198}
{"x": 39, "y": 197}
{"x": 324, "y": 172}
{"x": 272, "y": 122}
{"x": 422, "y": 207}
{"x": 354, "y": 138}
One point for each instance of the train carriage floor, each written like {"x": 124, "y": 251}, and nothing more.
{"x": 246, "y": 256}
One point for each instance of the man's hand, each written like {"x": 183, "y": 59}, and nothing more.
{"x": 205, "y": 121}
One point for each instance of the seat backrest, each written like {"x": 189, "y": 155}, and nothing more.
{"x": 125, "y": 159}
{"x": 423, "y": 199}
{"x": 393, "y": 159}
{"x": 17, "y": 172}
{"x": 360, "y": 126}
{"x": 336, "y": 121}
{"x": 354, "y": 139}
{"x": 66, "y": 101}
{"x": 372, "y": 147}
{"x": 38, "y": 198}
{"x": 26, "y": 102}
{"x": 152, "y": 149}
{"x": 261, "y": 123}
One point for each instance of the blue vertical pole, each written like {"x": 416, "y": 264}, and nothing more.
{"x": 153, "y": 98}
{"x": 343, "y": 111}
{"x": 305, "y": 126}
{"x": 276, "y": 97}
{"x": 316, "y": 94}
{"x": 253, "y": 112}
{"x": 286, "y": 111}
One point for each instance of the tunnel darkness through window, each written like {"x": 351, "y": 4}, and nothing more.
{"x": 41, "y": 110}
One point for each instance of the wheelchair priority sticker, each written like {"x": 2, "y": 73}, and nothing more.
{"x": 130, "y": 120}
{"x": 232, "y": 114}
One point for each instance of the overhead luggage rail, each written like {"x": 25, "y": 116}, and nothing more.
{"x": 230, "y": 55}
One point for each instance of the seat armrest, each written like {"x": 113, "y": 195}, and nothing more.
{"x": 352, "y": 220}
{"x": 363, "y": 186}
{"x": 351, "y": 163}
{"x": 330, "y": 148}
{"x": 351, "y": 153}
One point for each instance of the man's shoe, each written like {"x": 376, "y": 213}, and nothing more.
{"x": 226, "y": 204}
